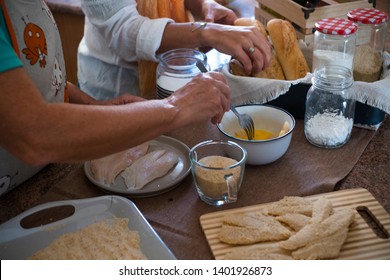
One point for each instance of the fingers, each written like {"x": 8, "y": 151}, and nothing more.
{"x": 263, "y": 46}
{"x": 206, "y": 97}
{"x": 224, "y": 106}
{"x": 218, "y": 95}
{"x": 214, "y": 12}
{"x": 254, "y": 53}
{"x": 223, "y": 17}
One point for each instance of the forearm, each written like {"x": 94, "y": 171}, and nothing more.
{"x": 76, "y": 96}
{"x": 95, "y": 131}
{"x": 40, "y": 133}
{"x": 189, "y": 38}
{"x": 194, "y": 35}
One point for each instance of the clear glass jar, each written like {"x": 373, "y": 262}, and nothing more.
{"x": 334, "y": 43}
{"x": 370, "y": 43}
{"x": 330, "y": 107}
{"x": 176, "y": 68}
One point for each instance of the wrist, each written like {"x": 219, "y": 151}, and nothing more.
{"x": 205, "y": 35}
{"x": 171, "y": 112}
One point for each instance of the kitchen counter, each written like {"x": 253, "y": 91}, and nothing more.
{"x": 175, "y": 215}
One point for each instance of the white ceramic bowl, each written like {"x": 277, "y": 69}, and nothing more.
{"x": 265, "y": 117}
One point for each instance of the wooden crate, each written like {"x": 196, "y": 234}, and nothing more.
{"x": 304, "y": 18}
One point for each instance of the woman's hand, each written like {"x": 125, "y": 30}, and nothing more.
{"x": 245, "y": 43}
{"x": 215, "y": 12}
{"x": 206, "y": 97}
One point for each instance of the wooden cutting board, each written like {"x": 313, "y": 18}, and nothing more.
{"x": 362, "y": 241}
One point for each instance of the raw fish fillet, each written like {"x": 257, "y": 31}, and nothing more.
{"x": 149, "y": 167}
{"x": 106, "y": 169}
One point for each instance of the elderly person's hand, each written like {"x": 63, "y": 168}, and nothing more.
{"x": 248, "y": 46}
{"x": 245, "y": 43}
{"x": 215, "y": 12}
{"x": 206, "y": 97}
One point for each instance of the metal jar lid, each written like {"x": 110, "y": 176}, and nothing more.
{"x": 336, "y": 26}
{"x": 367, "y": 16}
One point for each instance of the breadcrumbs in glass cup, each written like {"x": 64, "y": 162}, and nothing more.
{"x": 218, "y": 170}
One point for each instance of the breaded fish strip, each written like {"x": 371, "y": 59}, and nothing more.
{"x": 315, "y": 232}
{"x": 289, "y": 204}
{"x": 326, "y": 248}
{"x": 256, "y": 254}
{"x": 251, "y": 228}
{"x": 322, "y": 209}
{"x": 295, "y": 221}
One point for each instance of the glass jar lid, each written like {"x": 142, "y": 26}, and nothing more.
{"x": 336, "y": 26}
{"x": 367, "y": 16}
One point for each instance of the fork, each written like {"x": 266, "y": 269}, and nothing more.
{"x": 246, "y": 122}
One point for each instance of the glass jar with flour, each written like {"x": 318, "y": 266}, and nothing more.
{"x": 370, "y": 43}
{"x": 176, "y": 68}
{"x": 334, "y": 43}
{"x": 330, "y": 107}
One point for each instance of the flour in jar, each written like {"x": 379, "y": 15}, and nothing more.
{"x": 328, "y": 129}
{"x": 212, "y": 180}
{"x": 327, "y": 57}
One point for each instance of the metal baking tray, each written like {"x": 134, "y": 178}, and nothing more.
{"x": 37, "y": 227}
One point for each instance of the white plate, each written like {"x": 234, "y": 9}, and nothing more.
{"x": 159, "y": 185}
{"x": 17, "y": 242}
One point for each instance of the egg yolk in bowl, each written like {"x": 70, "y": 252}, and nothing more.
{"x": 261, "y": 134}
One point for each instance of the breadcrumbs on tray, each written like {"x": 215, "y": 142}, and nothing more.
{"x": 104, "y": 240}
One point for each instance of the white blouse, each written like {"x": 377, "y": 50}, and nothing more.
{"x": 115, "y": 37}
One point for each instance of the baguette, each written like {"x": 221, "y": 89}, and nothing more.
{"x": 236, "y": 68}
{"x": 285, "y": 42}
{"x": 178, "y": 10}
{"x": 164, "y": 8}
{"x": 251, "y": 22}
{"x": 274, "y": 70}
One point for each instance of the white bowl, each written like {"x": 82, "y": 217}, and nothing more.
{"x": 265, "y": 117}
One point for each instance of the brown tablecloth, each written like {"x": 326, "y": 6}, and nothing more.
{"x": 303, "y": 170}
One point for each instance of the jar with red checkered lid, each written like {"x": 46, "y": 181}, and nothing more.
{"x": 370, "y": 43}
{"x": 334, "y": 43}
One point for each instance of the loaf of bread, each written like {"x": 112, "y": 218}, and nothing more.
{"x": 284, "y": 40}
{"x": 273, "y": 71}
{"x": 251, "y": 22}
{"x": 236, "y": 68}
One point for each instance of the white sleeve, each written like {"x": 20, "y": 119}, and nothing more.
{"x": 116, "y": 25}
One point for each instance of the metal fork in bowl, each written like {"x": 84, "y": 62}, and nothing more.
{"x": 246, "y": 122}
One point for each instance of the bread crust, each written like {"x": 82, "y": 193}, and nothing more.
{"x": 251, "y": 22}
{"x": 274, "y": 70}
{"x": 284, "y": 40}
